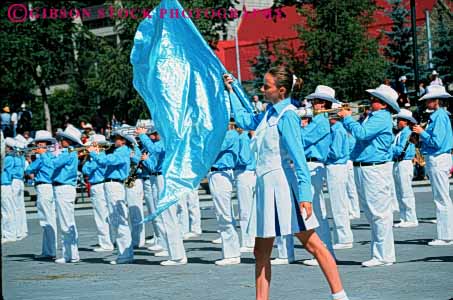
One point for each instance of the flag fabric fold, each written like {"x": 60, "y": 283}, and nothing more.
{"x": 180, "y": 78}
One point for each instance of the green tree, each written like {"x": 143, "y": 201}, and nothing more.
{"x": 260, "y": 64}
{"x": 339, "y": 51}
{"x": 399, "y": 48}
{"x": 443, "y": 48}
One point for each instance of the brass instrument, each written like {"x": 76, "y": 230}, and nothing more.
{"x": 31, "y": 150}
{"x": 130, "y": 130}
{"x": 82, "y": 152}
{"x": 333, "y": 112}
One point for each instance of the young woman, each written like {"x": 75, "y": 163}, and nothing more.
{"x": 283, "y": 192}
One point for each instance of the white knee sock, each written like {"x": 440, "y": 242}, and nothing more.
{"x": 341, "y": 295}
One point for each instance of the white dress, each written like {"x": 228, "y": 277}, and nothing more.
{"x": 277, "y": 209}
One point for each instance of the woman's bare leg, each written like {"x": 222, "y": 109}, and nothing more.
{"x": 262, "y": 252}
{"x": 314, "y": 245}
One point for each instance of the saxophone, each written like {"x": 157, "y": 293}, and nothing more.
{"x": 130, "y": 180}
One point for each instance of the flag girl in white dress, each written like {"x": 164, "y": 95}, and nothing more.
{"x": 283, "y": 191}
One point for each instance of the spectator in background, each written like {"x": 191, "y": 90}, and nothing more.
{"x": 402, "y": 91}
{"x": 435, "y": 79}
{"x": 257, "y": 104}
{"x": 24, "y": 118}
{"x": 14, "y": 119}
{"x": 6, "y": 122}
{"x": 99, "y": 122}
{"x": 87, "y": 132}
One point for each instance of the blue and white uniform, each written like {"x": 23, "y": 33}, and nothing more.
{"x": 221, "y": 180}
{"x": 95, "y": 173}
{"x": 18, "y": 195}
{"x": 316, "y": 139}
{"x": 8, "y": 207}
{"x": 245, "y": 186}
{"x": 280, "y": 186}
{"x": 43, "y": 169}
{"x": 403, "y": 172}
{"x": 336, "y": 168}
{"x": 171, "y": 232}
{"x": 437, "y": 142}
{"x": 372, "y": 157}
{"x": 117, "y": 166}
{"x": 64, "y": 181}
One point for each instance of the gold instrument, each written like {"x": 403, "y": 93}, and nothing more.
{"x": 333, "y": 112}
{"x": 83, "y": 150}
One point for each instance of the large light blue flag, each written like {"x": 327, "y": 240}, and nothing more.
{"x": 180, "y": 79}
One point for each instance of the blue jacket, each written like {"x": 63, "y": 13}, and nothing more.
{"x": 155, "y": 149}
{"x": 19, "y": 167}
{"x": 400, "y": 143}
{"x": 246, "y": 159}
{"x": 339, "y": 148}
{"x": 117, "y": 164}
{"x": 7, "y": 172}
{"x": 316, "y": 138}
{"x": 437, "y": 137}
{"x": 42, "y": 167}
{"x": 227, "y": 158}
{"x": 373, "y": 136}
{"x": 94, "y": 171}
{"x": 65, "y": 165}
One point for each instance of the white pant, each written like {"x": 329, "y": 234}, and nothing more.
{"x": 374, "y": 185}
{"x": 221, "y": 187}
{"x": 339, "y": 203}
{"x": 285, "y": 247}
{"x": 193, "y": 207}
{"x": 183, "y": 215}
{"x": 172, "y": 234}
{"x": 403, "y": 172}
{"x": 134, "y": 198}
{"x": 245, "y": 187}
{"x": 395, "y": 205}
{"x": 116, "y": 198}
{"x": 64, "y": 201}
{"x": 8, "y": 211}
{"x": 318, "y": 174}
{"x": 354, "y": 208}
{"x": 101, "y": 215}
{"x": 47, "y": 215}
{"x": 438, "y": 169}
{"x": 21, "y": 215}
{"x": 157, "y": 183}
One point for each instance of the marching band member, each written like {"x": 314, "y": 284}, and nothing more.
{"x": 336, "y": 169}
{"x": 436, "y": 145}
{"x": 96, "y": 173}
{"x": 403, "y": 169}
{"x": 245, "y": 187}
{"x": 42, "y": 170}
{"x": 354, "y": 207}
{"x": 283, "y": 191}
{"x": 221, "y": 180}
{"x": 152, "y": 187}
{"x": 117, "y": 170}
{"x": 170, "y": 228}
{"x": 18, "y": 191}
{"x": 8, "y": 204}
{"x": 64, "y": 182}
{"x": 193, "y": 215}
{"x": 134, "y": 199}
{"x": 316, "y": 140}
{"x": 372, "y": 157}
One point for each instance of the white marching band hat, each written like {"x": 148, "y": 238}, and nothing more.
{"x": 71, "y": 133}
{"x": 435, "y": 92}
{"x": 406, "y": 115}
{"x": 44, "y": 136}
{"x": 323, "y": 92}
{"x": 96, "y": 139}
{"x": 10, "y": 142}
{"x": 387, "y": 95}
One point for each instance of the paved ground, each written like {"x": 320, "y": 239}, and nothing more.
{"x": 422, "y": 272}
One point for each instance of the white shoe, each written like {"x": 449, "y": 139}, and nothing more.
{"x": 440, "y": 243}
{"x": 8, "y": 241}
{"x": 190, "y": 235}
{"x": 64, "y": 261}
{"x": 434, "y": 221}
{"x": 375, "y": 263}
{"x": 150, "y": 241}
{"x": 228, "y": 261}
{"x": 311, "y": 262}
{"x": 354, "y": 217}
{"x": 178, "y": 262}
{"x": 122, "y": 261}
{"x": 282, "y": 261}
{"x": 100, "y": 249}
{"x": 246, "y": 250}
{"x": 20, "y": 238}
{"x": 407, "y": 224}
{"x": 342, "y": 246}
{"x": 156, "y": 248}
{"x": 217, "y": 241}
{"x": 162, "y": 253}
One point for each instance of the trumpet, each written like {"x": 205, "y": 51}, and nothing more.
{"x": 83, "y": 150}
{"x": 30, "y": 150}
{"x": 130, "y": 130}
{"x": 333, "y": 112}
